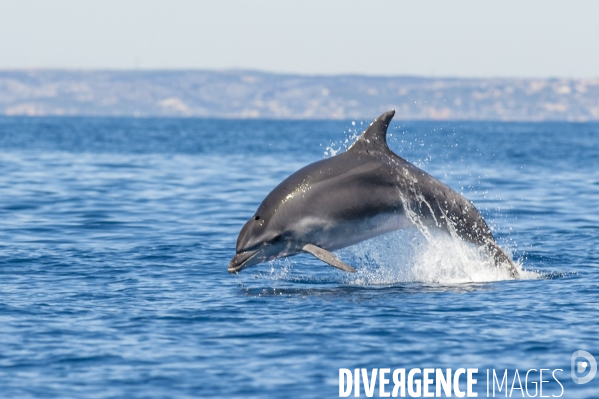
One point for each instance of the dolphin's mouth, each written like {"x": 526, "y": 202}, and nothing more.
{"x": 240, "y": 260}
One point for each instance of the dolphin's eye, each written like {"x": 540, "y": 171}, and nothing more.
{"x": 256, "y": 217}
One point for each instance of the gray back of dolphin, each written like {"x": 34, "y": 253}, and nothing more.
{"x": 366, "y": 191}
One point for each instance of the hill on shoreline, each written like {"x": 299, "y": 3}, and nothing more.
{"x": 253, "y": 94}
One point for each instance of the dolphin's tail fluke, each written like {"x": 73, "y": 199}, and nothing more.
{"x": 502, "y": 260}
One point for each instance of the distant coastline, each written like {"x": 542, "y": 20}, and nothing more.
{"x": 254, "y": 94}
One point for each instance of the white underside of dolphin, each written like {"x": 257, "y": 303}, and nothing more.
{"x": 351, "y": 197}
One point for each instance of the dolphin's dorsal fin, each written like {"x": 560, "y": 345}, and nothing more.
{"x": 374, "y": 139}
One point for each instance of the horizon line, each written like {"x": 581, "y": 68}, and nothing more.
{"x": 278, "y": 73}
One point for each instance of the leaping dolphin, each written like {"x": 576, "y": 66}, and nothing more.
{"x": 364, "y": 192}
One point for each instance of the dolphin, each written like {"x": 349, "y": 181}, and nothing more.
{"x": 361, "y": 193}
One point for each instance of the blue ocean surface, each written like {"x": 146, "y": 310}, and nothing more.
{"x": 115, "y": 235}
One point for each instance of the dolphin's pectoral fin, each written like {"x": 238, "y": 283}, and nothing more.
{"x": 328, "y": 257}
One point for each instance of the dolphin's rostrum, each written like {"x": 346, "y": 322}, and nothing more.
{"x": 364, "y": 192}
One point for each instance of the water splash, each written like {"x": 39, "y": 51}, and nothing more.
{"x": 428, "y": 255}
{"x": 410, "y": 256}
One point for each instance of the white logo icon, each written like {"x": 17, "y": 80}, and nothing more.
{"x": 581, "y": 366}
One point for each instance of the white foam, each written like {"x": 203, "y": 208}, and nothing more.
{"x": 411, "y": 256}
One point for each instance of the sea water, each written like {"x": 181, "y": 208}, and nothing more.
{"x": 115, "y": 236}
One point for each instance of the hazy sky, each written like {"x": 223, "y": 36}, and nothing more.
{"x": 443, "y": 38}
